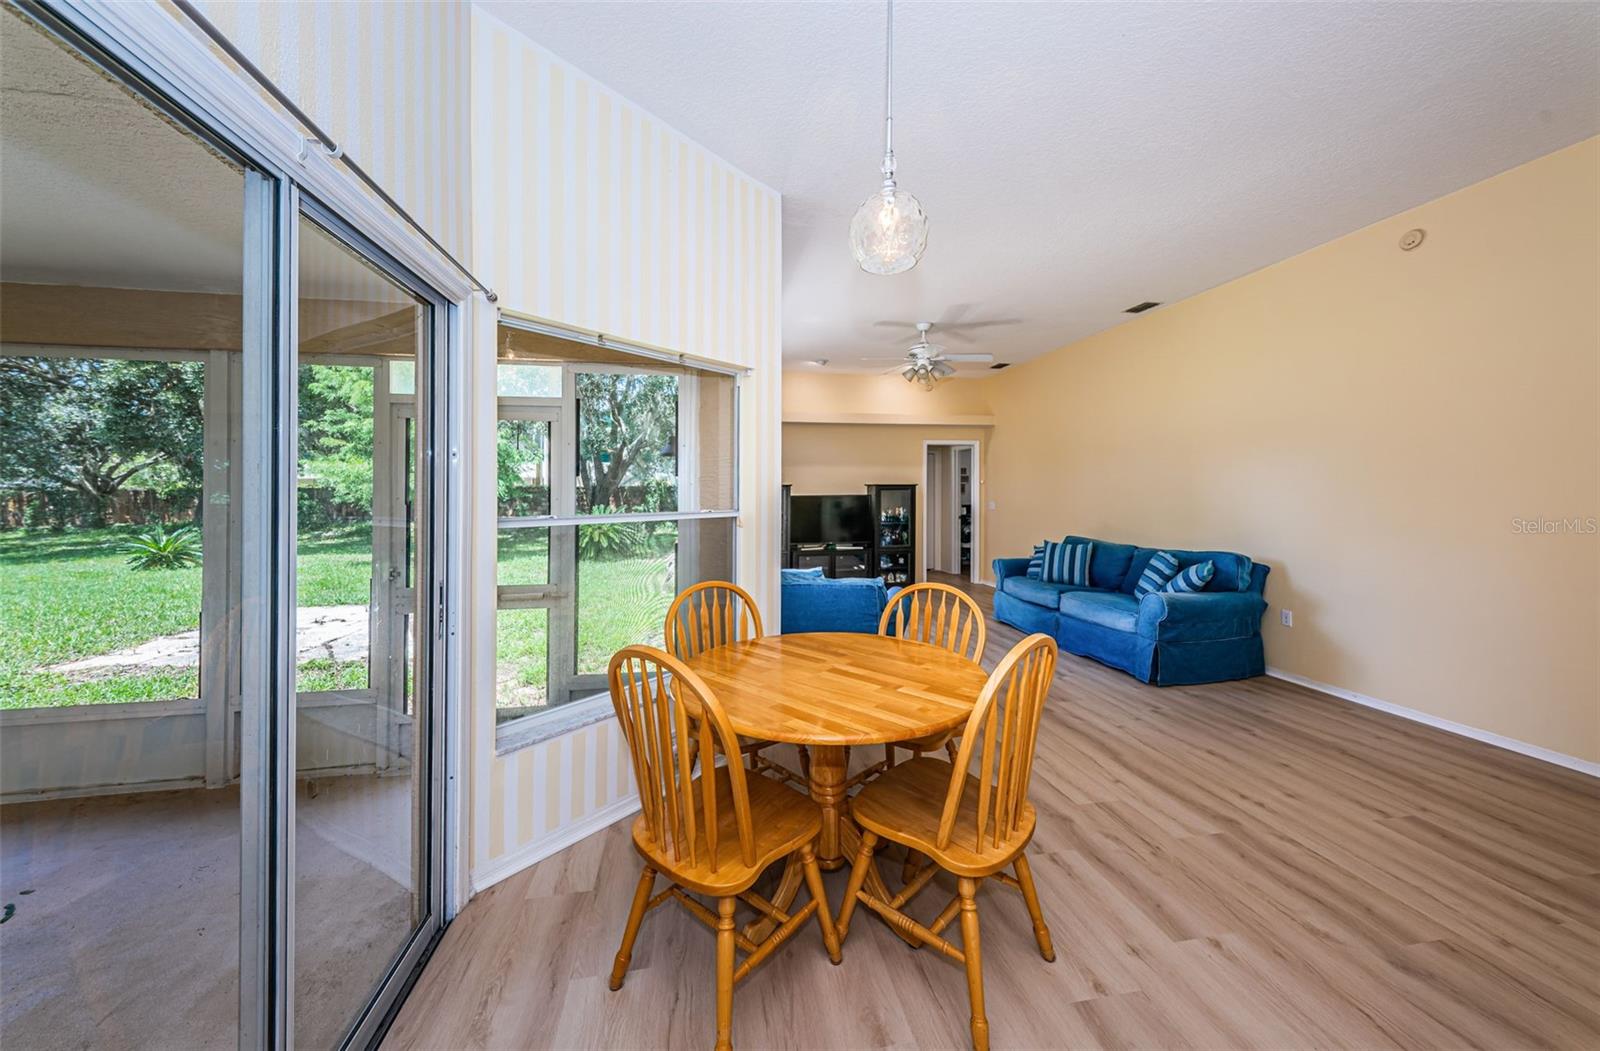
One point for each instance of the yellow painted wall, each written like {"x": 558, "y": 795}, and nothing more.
{"x": 1371, "y": 423}
{"x": 389, "y": 83}
{"x": 821, "y": 454}
{"x": 590, "y": 212}
{"x": 832, "y": 397}
{"x": 823, "y": 458}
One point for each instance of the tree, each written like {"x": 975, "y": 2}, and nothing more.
{"x": 76, "y": 431}
{"x": 335, "y": 403}
{"x": 627, "y": 439}
{"x": 521, "y": 444}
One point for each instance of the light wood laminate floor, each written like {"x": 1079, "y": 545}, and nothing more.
{"x": 1243, "y": 865}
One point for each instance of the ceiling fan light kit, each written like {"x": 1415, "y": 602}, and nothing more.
{"x": 926, "y": 372}
{"x": 927, "y": 363}
{"x": 889, "y": 232}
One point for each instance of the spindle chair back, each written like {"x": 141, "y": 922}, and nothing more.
{"x": 1003, "y": 732}
{"x": 712, "y": 614}
{"x": 937, "y": 614}
{"x": 708, "y": 615}
{"x": 942, "y": 616}
{"x": 653, "y": 694}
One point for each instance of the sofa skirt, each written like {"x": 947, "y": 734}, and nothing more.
{"x": 1163, "y": 663}
{"x": 1025, "y": 616}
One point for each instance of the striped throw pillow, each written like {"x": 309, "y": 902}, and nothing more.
{"x": 1192, "y": 579}
{"x": 1067, "y": 563}
{"x": 1036, "y": 563}
{"x": 1161, "y": 568}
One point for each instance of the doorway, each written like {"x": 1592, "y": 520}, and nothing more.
{"x": 951, "y": 483}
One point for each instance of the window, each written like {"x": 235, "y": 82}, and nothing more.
{"x": 627, "y": 441}
{"x": 102, "y": 478}
{"x": 615, "y": 490}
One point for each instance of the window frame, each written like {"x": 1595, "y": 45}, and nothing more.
{"x": 216, "y": 691}
{"x": 589, "y": 700}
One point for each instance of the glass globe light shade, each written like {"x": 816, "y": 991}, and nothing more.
{"x": 889, "y": 232}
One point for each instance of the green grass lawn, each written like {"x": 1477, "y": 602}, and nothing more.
{"x": 72, "y": 595}
{"x": 622, "y": 599}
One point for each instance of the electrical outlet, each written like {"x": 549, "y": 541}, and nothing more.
{"x": 1287, "y": 617}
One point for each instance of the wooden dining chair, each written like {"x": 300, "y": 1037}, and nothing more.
{"x": 973, "y": 825}
{"x": 942, "y": 616}
{"x": 712, "y": 614}
{"x": 709, "y": 830}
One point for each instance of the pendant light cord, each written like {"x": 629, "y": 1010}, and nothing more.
{"x": 888, "y": 98}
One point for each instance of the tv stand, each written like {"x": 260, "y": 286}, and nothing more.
{"x": 890, "y": 554}
{"x": 836, "y": 560}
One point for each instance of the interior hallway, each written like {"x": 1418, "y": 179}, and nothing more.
{"x": 1250, "y": 864}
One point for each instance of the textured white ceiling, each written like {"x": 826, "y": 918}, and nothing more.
{"x": 96, "y": 189}
{"x": 1079, "y": 158}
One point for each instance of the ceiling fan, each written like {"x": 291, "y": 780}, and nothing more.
{"x": 928, "y": 363}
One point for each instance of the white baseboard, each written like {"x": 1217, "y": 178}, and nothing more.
{"x": 556, "y": 841}
{"x": 1510, "y": 744}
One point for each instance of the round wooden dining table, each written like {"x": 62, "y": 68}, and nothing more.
{"x": 829, "y": 691}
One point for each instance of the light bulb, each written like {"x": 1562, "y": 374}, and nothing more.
{"x": 889, "y": 232}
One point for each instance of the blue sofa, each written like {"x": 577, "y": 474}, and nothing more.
{"x": 1167, "y": 639}
{"x": 813, "y": 602}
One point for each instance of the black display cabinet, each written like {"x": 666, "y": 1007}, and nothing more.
{"x": 894, "y": 510}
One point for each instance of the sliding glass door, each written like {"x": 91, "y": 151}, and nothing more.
{"x": 122, "y": 241}
{"x": 222, "y": 589}
{"x": 362, "y": 793}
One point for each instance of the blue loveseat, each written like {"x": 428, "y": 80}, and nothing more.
{"x": 1167, "y": 639}
{"x": 813, "y": 602}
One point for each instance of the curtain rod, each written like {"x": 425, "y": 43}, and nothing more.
{"x": 335, "y": 151}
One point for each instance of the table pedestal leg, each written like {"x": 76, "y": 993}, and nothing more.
{"x": 836, "y": 847}
{"x": 828, "y": 770}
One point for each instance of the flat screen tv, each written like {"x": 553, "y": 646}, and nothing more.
{"x": 830, "y": 519}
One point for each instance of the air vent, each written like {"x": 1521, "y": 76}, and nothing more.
{"x": 1000, "y": 365}
{"x": 1140, "y": 308}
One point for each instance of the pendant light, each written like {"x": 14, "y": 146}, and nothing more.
{"x": 890, "y": 230}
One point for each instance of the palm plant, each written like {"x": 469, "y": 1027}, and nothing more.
{"x": 158, "y": 547}
{"x": 603, "y": 539}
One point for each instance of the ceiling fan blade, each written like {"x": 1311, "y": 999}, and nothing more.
{"x": 969, "y": 357}
{"x": 953, "y": 314}
{"x": 995, "y": 322}
{"x": 881, "y": 361}
{"x": 893, "y": 324}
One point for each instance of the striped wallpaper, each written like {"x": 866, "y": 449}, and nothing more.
{"x": 589, "y": 211}
{"x": 577, "y": 206}
{"x": 388, "y": 81}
